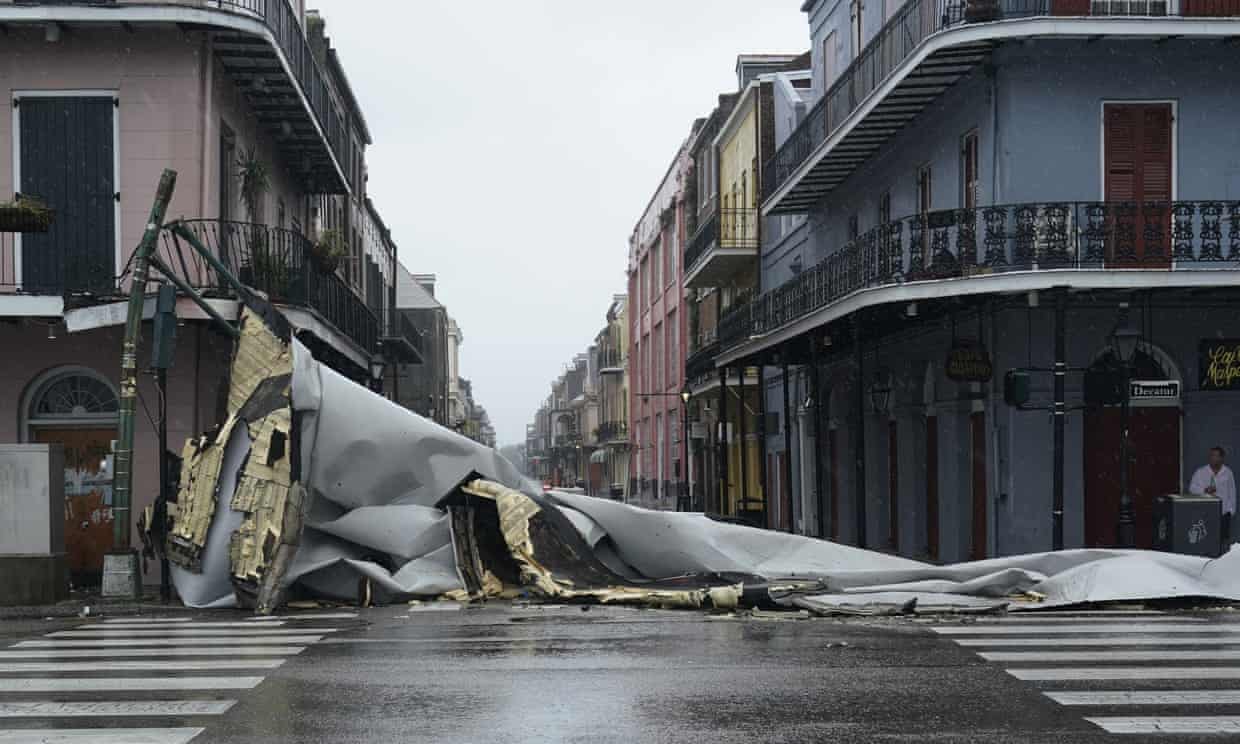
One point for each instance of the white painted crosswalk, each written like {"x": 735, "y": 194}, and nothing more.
{"x": 1179, "y": 671}
{"x": 177, "y": 669}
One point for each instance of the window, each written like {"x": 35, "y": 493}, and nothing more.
{"x": 923, "y": 190}
{"x": 858, "y": 9}
{"x": 828, "y": 60}
{"x": 884, "y": 208}
{"x": 669, "y": 242}
{"x": 744, "y": 190}
{"x": 854, "y": 227}
{"x": 281, "y": 215}
{"x": 656, "y": 269}
{"x": 969, "y": 170}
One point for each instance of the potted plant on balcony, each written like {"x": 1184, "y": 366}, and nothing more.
{"x": 254, "y": 180}
{"x": 263, "y": 268}
{"x": 25, "y": 214}
{"x": 327, "y": 251}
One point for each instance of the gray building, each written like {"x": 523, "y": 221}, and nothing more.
{"x": 423, "y": 387}
{"x": 969, "y": 189}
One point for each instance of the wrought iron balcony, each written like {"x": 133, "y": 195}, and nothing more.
{"x": 277, "y": 262}
{"x": 914, "y": 23}
{"x": 706, "y": 236}
{"x": 611, "y": 361}
{"x": 569, "y": 440}
{"x": 727, "y": 245}
{"x": 701, "y": 359}
{"x": 982, "y": 242}
{"x": 286, "y": 29}
{"x": 613, "y": 432}
{"x": 401, "y": 338}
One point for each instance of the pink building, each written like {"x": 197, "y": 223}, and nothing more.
{"x": 657, "y": 341}
{"x": 98, "y": 102}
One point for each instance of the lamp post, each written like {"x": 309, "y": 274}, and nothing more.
{"x": 686, "y": 496}
{"x": 377, "y": 366}
{"x": 1124, "y": 341}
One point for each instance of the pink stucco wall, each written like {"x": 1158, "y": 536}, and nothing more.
{"x": 198, "y": 372}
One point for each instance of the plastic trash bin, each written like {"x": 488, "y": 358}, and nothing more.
{"x": 1188, "y": 524}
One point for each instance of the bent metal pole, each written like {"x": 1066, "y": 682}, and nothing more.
{"x": 122, "y": 476}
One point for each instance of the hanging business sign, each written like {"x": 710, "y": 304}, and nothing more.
{"x": 1219, "y": 363}
{"x": 1153, "y": 390}
{"x": 969, "y": 363}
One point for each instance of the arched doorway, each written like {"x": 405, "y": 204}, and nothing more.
{"x": 1153, "y": 447}
{"x": 77, "y": 408}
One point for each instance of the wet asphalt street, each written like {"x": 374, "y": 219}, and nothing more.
{"x": 437, "y": 673}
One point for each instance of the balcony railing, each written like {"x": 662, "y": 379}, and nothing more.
{"x": 286, "y": 28}
{"x": 611, "y": 432}
{"x": 277, "y": 262}
{"x": 402, "y": 336}
{"x": 980, "y": 242}
{"x": 567, "y": 440}
{"x": 706, "y": 236}
{"x": 738, "y": 228}
{"x": 610, "y": 360}
{"x": 916, "y": 21}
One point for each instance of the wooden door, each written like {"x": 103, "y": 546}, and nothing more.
{"x": 977, "y": 428}
{"x": 1138, "y": 173}
{"x": 1153, "y": 470}
{"x": 88, "y": 498}
{"x": 68, "y": 161}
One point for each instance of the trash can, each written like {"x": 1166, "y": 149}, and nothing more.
{"x": 1188, "y": 524}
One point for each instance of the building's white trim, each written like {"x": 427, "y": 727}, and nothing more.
{"x": 175, "y": 15}
{"x": 114, "y": 314}
{"x": 31, "y": 306}
{"x": 1023, "y": 28}
{"x": 27, "y": 425}
{"x": 1014, "y": 282}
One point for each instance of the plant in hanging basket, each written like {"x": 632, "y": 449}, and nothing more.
{"x": 327, "y": 251}
{"x": 25, "y": 214}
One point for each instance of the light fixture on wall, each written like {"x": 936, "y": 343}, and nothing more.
{"x": 880, "y": 396}
{"x": 911, "y": 310}
{"x": 51, "y": 331}
{"x": 1124, "y": 342}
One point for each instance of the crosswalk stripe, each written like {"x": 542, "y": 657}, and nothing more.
{"x": 1112, "y": 655}
{"x": 142, "y": 620}
{"x": 1086, "y": 628}
{"x": 282, "y": 640}
{"x": 1040, "y": 619}
{"x": 1148, "y": 697}
{"x": 111, "y": 708}
{"x": 1058, "y": 674}
{"x": 120, "y": 653}
{"x": 308, "y": 616}
{"x": 148, "y": 627}
{"x": 250, "y": 632}
{"x": 161, "y": 666}
{"x": 127, "y": 684}
{"x": 100, "y": 736}
{"x": 1170, "y": 725}
{"x": 1122, "y": 640}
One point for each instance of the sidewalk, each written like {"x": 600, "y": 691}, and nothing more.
{"x": 90, "y": 603}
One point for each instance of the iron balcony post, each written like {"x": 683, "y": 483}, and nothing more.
{"x": 1060, "y": 414}
{"x": 787, "y": 422}
{"x": 1127, "y": 528}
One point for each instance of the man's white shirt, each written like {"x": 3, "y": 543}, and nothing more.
{"x": 1224, "y": 482}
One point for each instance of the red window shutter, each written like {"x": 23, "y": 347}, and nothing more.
{"x": 1122, "y": 157}
{"x": 1156, "y": 153}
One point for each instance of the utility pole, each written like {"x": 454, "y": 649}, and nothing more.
{"x": 121, "y": 575}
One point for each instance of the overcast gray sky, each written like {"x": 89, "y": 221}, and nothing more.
{"x": 517, "y": 143}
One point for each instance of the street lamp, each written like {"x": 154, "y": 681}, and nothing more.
{"x": 880, "y": 396}
{"x": 686, "y": 496}
{"x": 377, "y": 365}
{"x": 1124, "y": 342}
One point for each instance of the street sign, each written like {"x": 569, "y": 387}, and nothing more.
{"x": 1154, "y": 390}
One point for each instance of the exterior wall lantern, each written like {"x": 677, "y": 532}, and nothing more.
{"x": 880, "y": 396}
{"x": 377, "y": 365}
{"x": 1124, "y": 341}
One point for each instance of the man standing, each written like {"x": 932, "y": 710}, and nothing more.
{"x": 1216, "y": 479}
